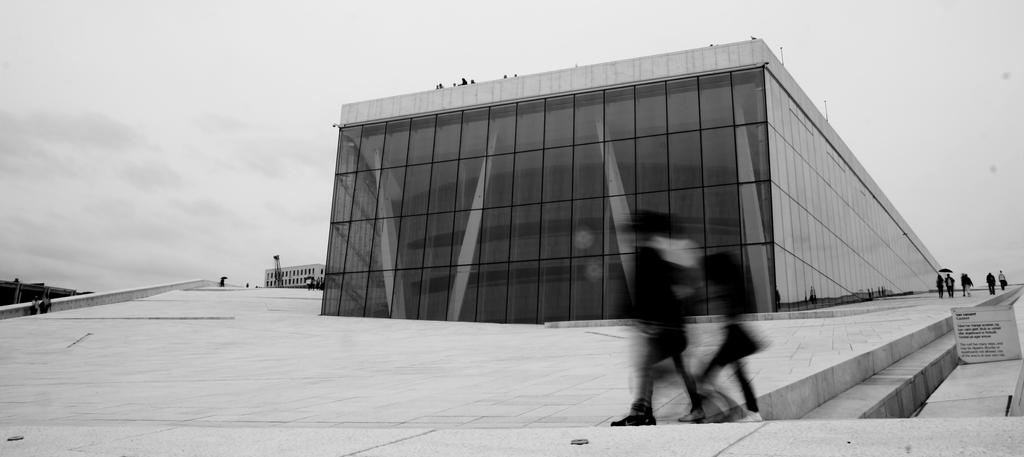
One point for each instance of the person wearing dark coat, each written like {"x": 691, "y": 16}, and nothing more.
{"x": 939, "y": 283}
{"x": 658, "y": 317}
{"x": 950, "y": 285}
{"x": 991, "y": 280}
{"x": 966, "y": 283}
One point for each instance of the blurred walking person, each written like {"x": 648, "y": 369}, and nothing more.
{"x": 658, "y": 317}
{"x": 725, "y": 281}
{"x": 1002, "y": 280}
{"x": 966, "y": 283}
{"x": 991, "y": 280}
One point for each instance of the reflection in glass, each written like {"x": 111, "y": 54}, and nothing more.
{"x": 650, "y": 109}
{"x": 528, "y": 176}
{"x": 339, "y": 246}
{"x": 438, "y": 240}
{"x": 499, "y": 181}
{"x": 434, "y": 296}
{"x": 410, "y": 248}
{"x": 589, "y": 117}
{"x": 616, "y": 290}
{"x": 417, "y": 189}
{"x": 353, "y": 295}
{"x": 348, "y": 152}
{"x": 651, "y": 164}
{"x": 683, "y": 108}
{"x": 748, "y": 96}
{"x": 446, "y": 140}
{"x": 465, "y": 239}
{"x": 757, "y": 275}
{"x": 558, "y": 122}
{"x": 557, "y": 174}
{"x": 587, "y": 286}
{"x": 525, "y": 232}
{"x": 389, "y": 202}
{"x": 421, "y": 140}
{"x": 501, "y": 135}
{"x": 406, "y": 302}
{"x": 555, "y": 229}
{"x": 587, "y": 227}
{"x": 442, "y": 186}
{"x": 494, "y": 235}
{"x": 655, "y": 201}
{"x": 752, "y": 152}
{"x": 618, "y": 112}
{"x": 332, "y": 295}
{"x": 620, "y": 167}
{"x": 470, "y": 187}
{"x": 588, "y": 171}
{"x": 365, "y": 199}
{"x": 684, "y": 160}
{"x": 756, "y": 212}
{"x": 715, "y": 101}
{"x": 493, "y": 292}
{"x": 396, "y": 143}
{"x": 371, "y": 147}
{"x": 530, "y": 126}
{"x": 343, "y": 187}
{"x": 522, "y": 293}
{"x": 462, "y": 300}
{"x": 474, "y": 133}
{"x": 554, "y": 290}
{"x": 718, "y": 156}
{"x": 380, "y": 287}
{"x": 385, "y": 244}
{"x": 722, "y": 215}
{"x": 359, "y": 240}
{"x": 618, "y": 235}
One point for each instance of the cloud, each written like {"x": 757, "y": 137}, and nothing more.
{"x": 151, "y": 177}
{"x": 216, "y": 124}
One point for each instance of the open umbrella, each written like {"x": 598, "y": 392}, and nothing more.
{"x": 945, "y": 270}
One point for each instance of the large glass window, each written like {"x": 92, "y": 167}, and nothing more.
{"x": 343, "y": 187}
{"x": 446, "y": 141}
{"x": 438, "y": 240}
{"x": 502, "y": 132}
{"x": 558, "y": 122}
{"x": 555, "y": 229}
{"x": 396, "y": 143}
{"x": 371, "y": 147}
{"x": 474, "y": 133}
{"x": 494, "y": 235}
{"x": 469, "y": 181}
{"x": 718, "y": 155}
{"x": 684, "y": 160}
{"x": 756, "y": 212}
{"x": 499, "y": 181}
{"x": 588, "y": 171}
{"x": 421, "y": 140}
{"x": 587, "y": 227}
{"x": 650, "y": 109}
{"x": 618, "y": 111}
{"x": 525, "y": 232}
{"x": 522, "y": 292}
{"x": 651, "y": 164}
{"x": 417, "y": 189}
{"x": 379, "y": 291}
{"x": 434, "y": 296}
{"x": 410, "y": 249}
{"x": 392, "y": 182}
{"x": 365, "y": 200}
{"x": 493, "y": 293}
{"x": 587, "y": 287}
{"x": 557, "y": 174}
{"x": 748, "y": 96}
{"x": 620, "y": 169}
{"x": 687, "y": 214}
{"x": 348, "y": 150}
{"x": 528, "y": 177}
{"x": 530, "y": 126}
{"x": 589, "y": 117}
{"x": 715, "y": 101}
{"x": 443, "y": 178}
{"x": 683, "y": 105}
{"x": 722, "y": 215}
{"x": 339, "y": 246}
{"x": 359, "y": 240}
{"x": 406, "y": 302}
{"x": 555, "y": 281}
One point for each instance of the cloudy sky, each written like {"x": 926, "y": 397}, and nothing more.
{"x": 146, "y": 142}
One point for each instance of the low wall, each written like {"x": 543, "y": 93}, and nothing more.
{"x": 103, "y": 298}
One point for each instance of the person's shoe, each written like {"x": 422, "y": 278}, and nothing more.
{"x": 696, "y": 416}
{"x": 751, "y": 417}
{"x": 635, "y": 420}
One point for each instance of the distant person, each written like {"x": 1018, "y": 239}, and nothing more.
{"x": 464, "y": 82}
{"x": 939, "y": 284}
{"x": 966, "y": 283}
{"x": 246, "y": 285}
{"x": 658, "y": 317}
{"x": 309, "y": 283}
{"x": 44, "y": 307}
{"x": 991, "y": 280}
{"x": 36, "y": 304}
{"x": 950, "y": 285}
{"x": 1002, "y": 280}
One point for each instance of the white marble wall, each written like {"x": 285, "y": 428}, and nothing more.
{"x": 712, "y": 58}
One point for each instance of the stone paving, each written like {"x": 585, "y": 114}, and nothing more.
{"x": 263, "y": 358}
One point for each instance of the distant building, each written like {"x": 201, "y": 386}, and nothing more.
{"x": 14, "y": 292}
{"x": 510, "y": 200}
{"x": 295, "y": 276}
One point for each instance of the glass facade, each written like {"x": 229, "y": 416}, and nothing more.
{"x": 516, "y": 213}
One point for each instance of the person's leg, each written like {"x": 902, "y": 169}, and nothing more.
{"x": 748, "y": 390}
{"x": 644, "y": 354}
{"x": 696, "y": 401}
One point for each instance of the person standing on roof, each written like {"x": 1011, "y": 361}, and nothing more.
{"x": 991, "y": 280}
{"x": 939, "y": 284}
{"x": 950, "y": 285}
{"x": 1002, "y": 280}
